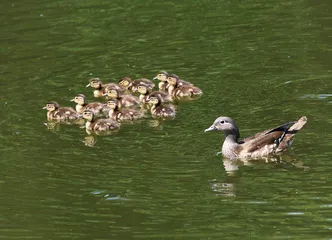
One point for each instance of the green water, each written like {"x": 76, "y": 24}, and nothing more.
{"x": 262, "y": 63}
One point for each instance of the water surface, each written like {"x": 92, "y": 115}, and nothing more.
{"x": 260, "y": 63}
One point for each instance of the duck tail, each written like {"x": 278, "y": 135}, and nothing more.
{"x": 287, "y": 139}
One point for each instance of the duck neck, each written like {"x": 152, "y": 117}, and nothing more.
{"x": 230, "y": 144}
{"x": 79, "y": 108}
{"x": 142, "y": 97}
{"x": 171, "y": 89}
{"x": 88, "y": 124}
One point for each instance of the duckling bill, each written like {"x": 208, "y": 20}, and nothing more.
{"x": 269, "y": 142}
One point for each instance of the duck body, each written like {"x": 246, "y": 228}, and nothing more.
{"x": 95, "y": 107}
{"x": 100, "y": 125}
{"x": 55, "y": 112}
{"x": 129, "y": 84}
{"x": 269, "y": 142}
{"x": 159, "y": 109}
{"x": 125, "y": 114}
{"x": 124, "y": 100}
{"x": 180, "y": 88}
{"x": 164, "y": 111}
{"x": 100, "y": 88}
{"x": 116, "y": 113}
{"x": 145, "y": 93}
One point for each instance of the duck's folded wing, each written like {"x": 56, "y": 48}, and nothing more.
{"x": 266, "y": 137}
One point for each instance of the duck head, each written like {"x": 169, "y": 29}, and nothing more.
{"x": 161, "y": 76}
{"x": 95, "y": 83}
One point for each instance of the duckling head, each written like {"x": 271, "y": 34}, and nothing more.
{"x": 225, "y": 124}
{"x": 94, "y": 83}
{"x": 88, "y": 115}
{"x": 153, "y": 100}
{"x": 79, "y": 99}
{"x": 161, "y": 76}
{"x": 172, "y": 79}
{"x": 51, "y": 106}
{"x": 125, "y": 82}
{"x": 112, "y": 103}
{"x": 112, "y": 93}
{"x": 142, "y": 89}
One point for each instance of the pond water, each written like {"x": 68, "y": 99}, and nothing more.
{"x": 262, "y": 63}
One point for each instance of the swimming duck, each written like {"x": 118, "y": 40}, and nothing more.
{"x": 124, "y": 114}
{"x": 100, "y": 125}
{"x": 181, "y": 89}
{"x": 95, "y": 107}
{"x": 146, "y": 92}
{"x": 123, "y": 100}
{"x": 129, "y": 84}
{"x": 55, "y": 112}
{"x": 265, "y": 143}
{"x": 162, "y": 77}
{"x": 160, "y": 110}
{"x": 99, "y": 87}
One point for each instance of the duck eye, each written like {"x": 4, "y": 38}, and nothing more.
{"x": 222, "y": 121}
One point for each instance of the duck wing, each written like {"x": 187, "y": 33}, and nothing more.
{"x": 280, "y": 135}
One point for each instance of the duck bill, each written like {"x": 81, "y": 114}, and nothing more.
{"x": 88, "y": 85}
{"x": 72, "y": 100}
{"x": 212, "y": 128}
{"x": 155, "y": 78}
{"x": 44, "y": 107}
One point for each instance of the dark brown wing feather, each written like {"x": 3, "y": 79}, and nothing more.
{"x": 268, "y": 137}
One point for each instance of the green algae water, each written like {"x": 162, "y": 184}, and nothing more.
{"x": 262, "y": 63}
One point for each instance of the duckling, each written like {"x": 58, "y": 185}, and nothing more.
{"x": 123, "y": 100}
{"x": 99, "y": 87}
{"x": 179, "y": 90}
{"x": 124, "y": 114}
{"x": 269, "y": 142}
{"x": 55, "y": 112}
{"x": 162, "y": 77}
{"x": 160, "y": 110}
{"x": 100, "y": 125}
{"x": 146, "y": 92}
{"x": 129, "y": 84}
{"x": 95, "y": 107}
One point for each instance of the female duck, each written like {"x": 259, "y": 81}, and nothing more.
{"x": 129, "y": 84}
{"x": 99, "y": 87}
{"x": 55, "y": 112}
{"x": 262, "y": 144}
{"x": 95, "y": 107}
{"x": 146, "y": 92}
{"x": 123, "y": 100}
{"x": 180, "y": 89}
{"x": 160, "y": 110}
{"x": 124, "y": 114}
{"x": 100, "y": 125}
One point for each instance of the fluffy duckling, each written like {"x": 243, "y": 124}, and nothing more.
{"x": 123, "y": 100}
{"x": 177, "y": 89}
{"x": 55, "y": 112}
{"x": 160, "y": 110}
{"x": 129, "y": 84}
{"x": 95, "y": 107}
{"x": 99, "y": 87}
{"x": 124, "y": 114}
{"x": 269, "y": 142}
{"x": 162, "y": 77}
{"x": 100, "y": 125}
{"x": 146, "y": 92}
